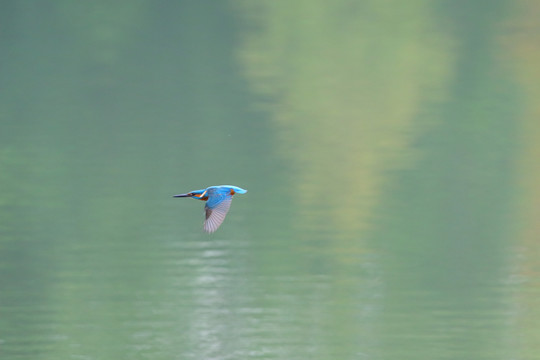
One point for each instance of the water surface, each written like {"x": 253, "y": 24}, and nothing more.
{"x": 389, "y": 151}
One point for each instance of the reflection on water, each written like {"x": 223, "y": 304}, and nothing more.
{"x": 347, "y": 99}
{"x": 207, "y": 299}
{"x": 384, "y": 217}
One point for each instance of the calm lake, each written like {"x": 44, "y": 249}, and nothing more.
{"x": 389, "y": 149}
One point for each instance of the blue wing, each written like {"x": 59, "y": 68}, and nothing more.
{"x": 216, "y": 209}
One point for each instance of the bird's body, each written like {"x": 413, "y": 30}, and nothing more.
{"x": 218, "y": 201}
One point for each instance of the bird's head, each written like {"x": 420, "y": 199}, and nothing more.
{"x": 196, "y": 194}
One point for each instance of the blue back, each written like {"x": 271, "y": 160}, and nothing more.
{"x": 228, "y": 188}
{"x": 216, "y": 194}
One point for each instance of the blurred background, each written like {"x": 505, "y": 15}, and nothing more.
{"x": 390, "y": 150}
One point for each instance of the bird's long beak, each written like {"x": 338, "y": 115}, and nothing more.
{"x": 184, "y": 195}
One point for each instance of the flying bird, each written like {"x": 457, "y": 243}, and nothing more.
{"x": 218, "y": 201}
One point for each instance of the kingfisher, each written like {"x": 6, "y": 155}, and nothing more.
{"x": 218, "y": 201}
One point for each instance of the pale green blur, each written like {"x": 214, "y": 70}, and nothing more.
{"x": 390, "y": 150}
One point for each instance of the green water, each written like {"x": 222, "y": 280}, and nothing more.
{"x": 389, "y": 149}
